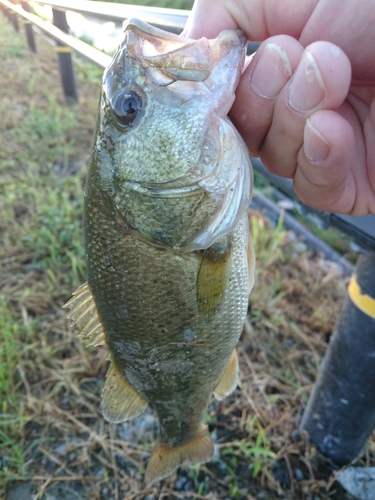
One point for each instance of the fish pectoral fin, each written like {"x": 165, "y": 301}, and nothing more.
{"x": 229, "y": 380}
{"x": 164, "y": 459}
{"x": 85, "y": 316}
{"x": 120, "y": 401}
{"x": 213, "y": 277}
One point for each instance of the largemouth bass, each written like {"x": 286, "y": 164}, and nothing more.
{"x": 169, "y": 256}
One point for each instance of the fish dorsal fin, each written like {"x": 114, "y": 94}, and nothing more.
{"x": 213, "y": 277}
{"x": 85, "y": 316}
{"x": 229, "y": 380}
{"x": 164, "y": 459}
{"x": 120, "y": 401}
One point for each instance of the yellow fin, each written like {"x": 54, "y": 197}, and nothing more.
{"x": 164, "y": 459}
{"x": 229, "y": 380}
{"x": 84, "y": 315}
{"x": 120, "y": 402}
{"x": 213, "y": 277}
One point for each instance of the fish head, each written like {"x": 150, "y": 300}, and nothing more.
{"x": 159, "y": 93}
{"x": 164, "y": 98}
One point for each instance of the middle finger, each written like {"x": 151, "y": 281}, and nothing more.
{"x": 321, "y": 81}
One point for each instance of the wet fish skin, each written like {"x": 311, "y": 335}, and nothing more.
{"x": 169, "y": 257}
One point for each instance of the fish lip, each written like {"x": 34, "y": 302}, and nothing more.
{"x": 148, "y": 29}
{"x": 224, "y": 36}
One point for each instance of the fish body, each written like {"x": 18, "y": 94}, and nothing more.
{"x": 169, "y": 257}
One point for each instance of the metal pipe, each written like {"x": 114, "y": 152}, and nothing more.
{"x": 274, "y": 213}
{"x": 87, "y": 51}
{"x": 340, "y": 415}
{"x": 13, "y": 19}
{"x": 65, "y": 58}
{"x": 361, "y": 229}
{"x": 170, "y": 19}
{"x": 29, "y": 28}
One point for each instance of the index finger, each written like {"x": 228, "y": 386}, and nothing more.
{"x": 258, "y": 19}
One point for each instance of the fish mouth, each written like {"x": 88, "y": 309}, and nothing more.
{"x": 230, "y": 36}
{"x": 176, "y": 57}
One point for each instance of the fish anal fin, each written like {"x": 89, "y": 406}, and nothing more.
{"x": 85, "y": 316}
{"x": 229, "y": 380}
{"x": 120, "y": 401}
{"x": 164, "y": 459}
{"x": 213, "y": 277}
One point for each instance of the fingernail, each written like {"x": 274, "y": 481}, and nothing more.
{"x": 307, "y": 88}
{"x": 271, "y": 72}
{"x": 316, "y": 147}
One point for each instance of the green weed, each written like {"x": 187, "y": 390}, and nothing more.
{"x": 13, "y": 461}
{"x": 15, "y": 51}
{"x": 233, "y": 488}
{"x": 267, "y": 242}
{"x": 257, "y": 453}
{"x": 16, "y": 334}
{"x": 88, "y": 72}
{"x": 45, "y": 135}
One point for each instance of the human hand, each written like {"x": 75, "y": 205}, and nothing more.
{"x": 306, "y": 102}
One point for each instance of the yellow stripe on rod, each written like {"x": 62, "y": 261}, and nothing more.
{"x": 363, "y": 301}
{"x": 62, "y": 48}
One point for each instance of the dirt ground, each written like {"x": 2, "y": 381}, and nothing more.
{"x": 54, "y": 442}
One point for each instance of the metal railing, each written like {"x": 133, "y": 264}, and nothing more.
{"x": 173, "y": 20}
{"x": 361, "y": 229}
{"x": 58, "y": 32}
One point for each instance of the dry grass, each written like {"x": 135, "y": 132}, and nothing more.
{"x": 54, "y": 442}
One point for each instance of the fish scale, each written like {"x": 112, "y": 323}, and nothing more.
{"x": 157, "y": 317}
{"x": 169, "y": 255}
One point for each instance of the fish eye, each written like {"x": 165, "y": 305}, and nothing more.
{"x": 127, "y": 106}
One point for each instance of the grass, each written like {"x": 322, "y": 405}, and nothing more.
{"x": 42, "y": 257}
{"x": 338, "y": 240}
{"x": 52, "y": 433}
{"x": 17, "y": 334}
